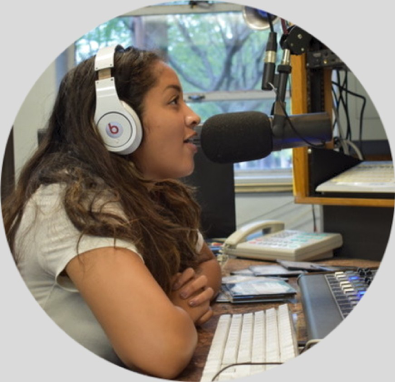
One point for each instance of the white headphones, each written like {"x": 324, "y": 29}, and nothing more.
{"x": 117, "y": 123}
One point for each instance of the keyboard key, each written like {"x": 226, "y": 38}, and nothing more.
{"x": 264, "y": 336}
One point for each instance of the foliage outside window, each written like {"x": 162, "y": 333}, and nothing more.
{"x": 217, "y": 56}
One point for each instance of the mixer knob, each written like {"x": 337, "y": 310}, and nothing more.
{"x": 368, "y": 280}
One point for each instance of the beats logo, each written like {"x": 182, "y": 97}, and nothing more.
{"x": 114, "y": 129}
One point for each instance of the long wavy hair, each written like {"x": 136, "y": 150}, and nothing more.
{"x": 162, "y": 221}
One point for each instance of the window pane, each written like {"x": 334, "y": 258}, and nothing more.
{"x": 211, "y": 52}
{"x": 208, "y": 109}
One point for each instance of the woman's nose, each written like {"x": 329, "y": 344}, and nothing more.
{"x": 192, "y": 119}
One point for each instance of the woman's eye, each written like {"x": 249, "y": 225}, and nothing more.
{"x": 175, "y": 100}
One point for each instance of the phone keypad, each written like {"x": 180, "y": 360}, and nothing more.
{"x": 288, "y": 239}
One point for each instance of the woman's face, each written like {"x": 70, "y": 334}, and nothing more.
{"x": 168, "y": 123}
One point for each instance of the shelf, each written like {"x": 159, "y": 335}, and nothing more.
{"x": 301, "y": 167}
{"x": 301, "y": 187}
{"x": 357, "y": 202}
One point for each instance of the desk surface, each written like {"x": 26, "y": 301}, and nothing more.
{"x": 193, "y": 372}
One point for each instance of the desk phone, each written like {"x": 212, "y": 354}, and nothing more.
{"x": 267, "y": 240}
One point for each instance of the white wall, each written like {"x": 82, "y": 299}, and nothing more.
{"x": 276, "y": 206}
{"x": 373, "y": 128}
{"x": 33, "y": 115}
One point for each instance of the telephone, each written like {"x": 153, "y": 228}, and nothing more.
{"x": 267, "y": 240}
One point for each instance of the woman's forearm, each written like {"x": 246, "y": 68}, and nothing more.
{"x": 211, "y": 269}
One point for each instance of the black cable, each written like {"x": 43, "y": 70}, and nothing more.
{"x": 305, "y": 345}
{"x": 314, "y": 218}
{"x": 336, "y": 102}
{"x": 344, "y": 87}
{"x": 322, "y": 145}
{"x": 269, "y": 16}
{"x": 343, "y": 102}
{"x": 361, "y": 112}
{"x": 244, "y": 364}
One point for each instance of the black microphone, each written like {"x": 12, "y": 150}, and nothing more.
{"x": 246, "y": 136}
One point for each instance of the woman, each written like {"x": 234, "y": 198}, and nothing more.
{"x": 108, "y": 242}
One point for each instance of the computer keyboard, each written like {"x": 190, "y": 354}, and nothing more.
{"x": 255, "y": 341}
{"x": 365, "y": 177}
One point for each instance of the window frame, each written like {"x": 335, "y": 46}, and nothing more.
{"x": 269, "y": 180}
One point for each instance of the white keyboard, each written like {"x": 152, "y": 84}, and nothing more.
{"x": 365, "y": 177}
{"x": 266, "y": 336}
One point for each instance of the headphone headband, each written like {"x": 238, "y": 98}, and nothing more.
{"x": 105, "y": 57}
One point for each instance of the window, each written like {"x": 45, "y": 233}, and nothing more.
{"x": 218, "y": 58}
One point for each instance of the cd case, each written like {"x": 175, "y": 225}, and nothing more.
{"x": 258, "y": 290}
{"x": 306, "y": 266}
{"x": 274, "y": 270}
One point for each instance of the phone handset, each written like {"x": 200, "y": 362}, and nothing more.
{"x": 245, "y": 231}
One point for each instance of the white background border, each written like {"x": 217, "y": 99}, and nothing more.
{"x": 35, "y": 33}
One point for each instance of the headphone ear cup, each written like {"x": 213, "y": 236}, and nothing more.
{"x": 117, "y": 123}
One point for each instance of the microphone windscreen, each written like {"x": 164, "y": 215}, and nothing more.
{"x": 237, "y": 137}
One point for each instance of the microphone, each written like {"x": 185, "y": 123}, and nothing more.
{"x": 245, "y": 136}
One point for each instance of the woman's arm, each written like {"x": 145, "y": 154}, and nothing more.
{"x": 139, "y": 319}
{"x": 187, "y": 283}
{"x": 210, "y": 267}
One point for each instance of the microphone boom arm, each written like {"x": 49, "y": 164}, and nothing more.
{"x": 278, "y": 110}
{"x": 295, "y": 41}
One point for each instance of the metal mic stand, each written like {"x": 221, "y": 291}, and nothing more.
{"x": 293, "y": 42}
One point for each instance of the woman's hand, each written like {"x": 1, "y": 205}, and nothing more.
{"x": 190, "y": 292}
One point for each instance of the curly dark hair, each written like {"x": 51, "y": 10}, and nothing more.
{"x": 162, "y": 221}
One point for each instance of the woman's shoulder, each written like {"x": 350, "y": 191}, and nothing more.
{"x": 48, "y": 194}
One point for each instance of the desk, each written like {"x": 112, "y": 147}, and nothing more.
{"x": 193, "y": 372}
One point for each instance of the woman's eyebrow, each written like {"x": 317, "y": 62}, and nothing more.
{"x": 175, "y": 87}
